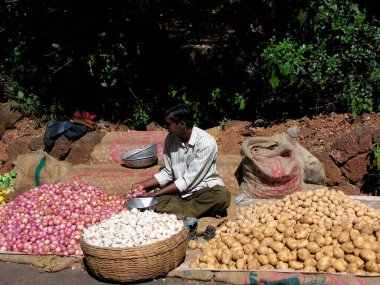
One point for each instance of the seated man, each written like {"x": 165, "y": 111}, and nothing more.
{"x": 189, "y": 183}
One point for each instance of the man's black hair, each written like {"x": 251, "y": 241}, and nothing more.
{"x": 181, "y": 113}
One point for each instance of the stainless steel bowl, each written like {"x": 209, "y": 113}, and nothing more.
{"x": 142, "y": 204}
{"x": 140, "y": 153}
{"x": 140, "y": 162}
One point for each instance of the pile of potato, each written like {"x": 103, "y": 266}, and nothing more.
{"x": 315, "y": 231}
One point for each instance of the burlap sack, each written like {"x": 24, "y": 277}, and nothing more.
{"x": 113, "y": 179}
{"x": 26, "y": 166}
{"x": 113, "y": 144}
{"x": 313, "y": 170}
{"x": 229, "y": 169}
{"x": 270, "y": 169}
{"x": 47, "y": 262}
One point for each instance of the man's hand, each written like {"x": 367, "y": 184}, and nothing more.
{"x": 137, "y": 187}
{"x": 137, "y": 190}
{"x": 147, "y": 194}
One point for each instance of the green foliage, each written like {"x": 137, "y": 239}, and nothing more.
{"x": 6, "y": 179}
{"x": 376, "y": 154}
{"x": 141, "y": 114}
{"x": 336, "y": 60}
{"x": 229, "y": 58}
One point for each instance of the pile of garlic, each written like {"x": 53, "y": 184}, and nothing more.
{"x": 133, "y": 228}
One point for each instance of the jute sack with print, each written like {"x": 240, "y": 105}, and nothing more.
{"x": 270, "y": 168}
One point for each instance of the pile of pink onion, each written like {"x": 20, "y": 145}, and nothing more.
{"x": 50, "y": 219}
{"x": 135, "y": 193}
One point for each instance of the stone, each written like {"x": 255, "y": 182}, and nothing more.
{"x": 82, "y": 148}
{"x": 333, "y": 173}
{"x": 356, "y": 168}
{"x": 5, "y": 168}
{"x": 153, "y": 126}
{"x": 350, "y": 145}
{"x": 9, "y": 114}
{"x": 2, "y": 127}
{"x": 61, "y": 148}
{"x": 376, "y": 135}
{"x": 37, "y": 143}
{"x": 3, "y": 152}
{"x": 18, "y": 146}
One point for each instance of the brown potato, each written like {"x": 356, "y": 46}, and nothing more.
{"x": 289, "y": 232}
{"x": 310, "y": 262}
{"x": 368, "y": 255}
{"x": 372, "y": 266}
{"x": 303, "y": 254}
{"x": 246, "y": 231}
{"x": 277, "y": 246}
{"x": 310, "y": 268}
{"x": 240, "y": 263}
{"x": 248, "y": 248}
{"x": 263, "y": 259}
{"x": 192, "y": 244}
{"x": 359, "y": 242}
{"x": 266, "y": 267}
{"x": 282, "y": 265}
{"x": 313, "y": 247}
{"x": 339, "y": 265}
{"x": 194, "y": 264}
{"x": 324, "y": 263}
{"x": 283, "y": 255}
{"x": 338, "y": 253}
{"x": 253, "y": 264}
{"x": 263, "y": 250}
{"x": 352, "y": 267}
{"x": 344, "y": 237}
{"x": 320, "y": 240}
{"x": 291, "y": 243}
{"x": 350, "y": 258}
{"x": 330, "y": 270}
{"x": 296, "y": 265}
{"x": 226, "y": 256}
{"x": 348, "y": 247}
{"x": 272, "y": 258}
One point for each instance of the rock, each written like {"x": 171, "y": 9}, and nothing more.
{"x": 333, "y": 173}
{"x": 61, "y": 148}
{"x": 153, "y": 126}
{"x": 356, "y": 168}
{"x": 376, "y": 135}
{"x": 2, "y": 127}
{"x": 293, "y": 131}
{"x": 5, "y": 168}
{"x": 18, "y": 146}
{"x": 3, "y": 152}
{"x": 37, "y": 143}
{"x": 351, "y": 144}
{"x": 82, "y": 148}
{"x": 9, "y": 115}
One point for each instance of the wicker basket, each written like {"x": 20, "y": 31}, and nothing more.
{"x": 136, "y": 263}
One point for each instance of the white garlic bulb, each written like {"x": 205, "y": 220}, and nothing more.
{"x": 133, "y": 228}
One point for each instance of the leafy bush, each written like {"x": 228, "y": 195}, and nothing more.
{"x": 332, "y": 60}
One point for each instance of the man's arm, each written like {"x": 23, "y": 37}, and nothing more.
{"x": 139, "y": 186}
{"x": 169, "y": 189}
